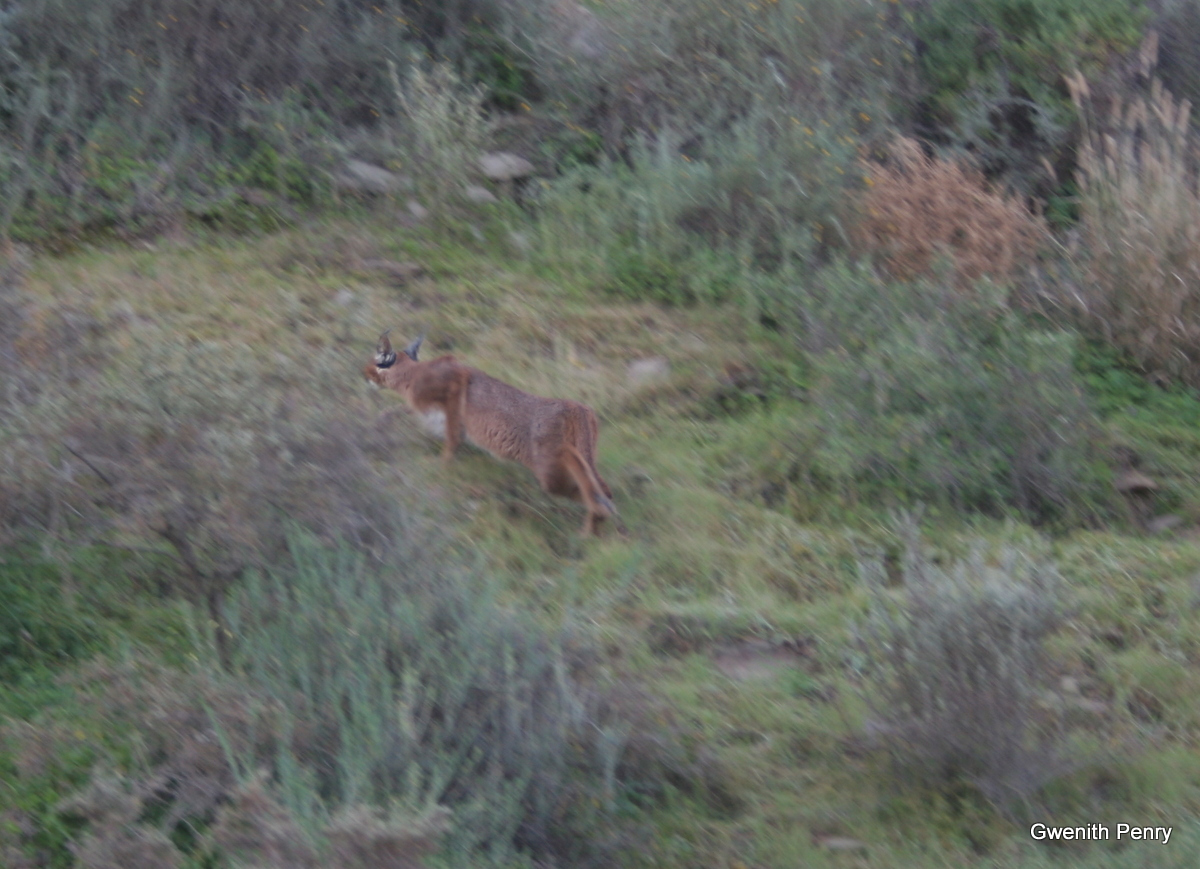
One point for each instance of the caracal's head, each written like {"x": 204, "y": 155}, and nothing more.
{"x": 385, "y": 360}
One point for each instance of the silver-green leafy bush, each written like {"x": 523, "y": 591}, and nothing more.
{"x": 958, "y": 660}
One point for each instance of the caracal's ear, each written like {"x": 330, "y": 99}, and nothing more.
{"x": 385, "y": 356}
{"x": 412, "y": 349}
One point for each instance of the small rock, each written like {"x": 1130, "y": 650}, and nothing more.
{"x": 343, "y": 298}
{"x": 578, "y": 29}
{"x": 520, "y": 241}
{"x": 397, "y": 273}
{"x": 841, "y": 843}
{"x": 754, "y": 660}
{"x": 1134, "y": 482}
{"x": 1162, "y": 524}
{"x": 648, "y": 370}
{"x": 417, "y": 210}
{"x": 748, "y": 736}
{"x": 1088, "y": 706}
{"x": 479, "y": 194}
{"x": 257, "y": 198}
{"x": 504, "y": 166}
{"x": 369, "y": 178}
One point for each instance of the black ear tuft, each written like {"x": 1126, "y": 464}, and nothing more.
{"x": 385, "y": 357}
{"x": 412, "y": 349}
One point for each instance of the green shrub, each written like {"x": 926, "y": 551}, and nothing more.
{"x": 1118, "y": 386}
{"x": 39, "y": 625}
{"x": 118, "y": 115}
{"x": 958, "y": 662}
{"x": 446, "y": 129}
{"x": 750, "y": 206}
{"x": 360, "y": 705}
{"x": 133, "y": 769}
{"x": 994, "y": 71}
{"x": 950, "y": 397}
{"x": 410, "y": 685}
{"x": 203, "y": 452}
{"x": 694, "y": 67}
{"x": 732, "y": 129}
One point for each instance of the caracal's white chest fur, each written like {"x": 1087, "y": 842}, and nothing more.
{"x": 434, "y": 422}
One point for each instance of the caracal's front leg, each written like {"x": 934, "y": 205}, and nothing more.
{"x": 456, "y": 400}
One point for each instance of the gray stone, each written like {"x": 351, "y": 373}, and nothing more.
{"x": 396, "y": 273}
{"x": 479, "y": 194}
{"x": 1162, "y": 524}
{"x": 578, "y": 29}
{"x": 648, "y": 370}
{"x": 520, "y": 241}
{"x": 504, "y": 166}
{"x": 841, "y": 843}
{"x": 368, "y": 178}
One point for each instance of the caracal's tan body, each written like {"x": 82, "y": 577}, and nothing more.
{"x": 553, "y": 437}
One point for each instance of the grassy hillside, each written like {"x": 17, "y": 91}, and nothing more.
{"x": 737, "y": 618}
{"x": 889, "y": 316}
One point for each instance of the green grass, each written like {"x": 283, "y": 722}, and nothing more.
{"x": 725, "y": 556}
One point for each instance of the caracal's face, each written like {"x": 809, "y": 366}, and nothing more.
{"x": 386, "y": 357}
{"x": 373, "y": 375}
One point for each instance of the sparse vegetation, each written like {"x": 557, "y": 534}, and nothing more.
{"x": 246, "y": 619}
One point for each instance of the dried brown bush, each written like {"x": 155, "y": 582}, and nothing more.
{"x": 207, "y": 452}
{"x": 918, "y": 208}
{"x": 364, "y": 838}
{"x": 36, "y": 337}
{"x": 1139, "y": 173}
{"x": 172, "y": 720}
{"x": 177, "y": 735}
{"x": 252, "y": 829}
{"x": 160, "y": 728}
{"x": 114, "y": 839}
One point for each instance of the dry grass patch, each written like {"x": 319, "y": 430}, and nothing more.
{"x": 1141, "y": 230}
{"x": 918, "y": 208}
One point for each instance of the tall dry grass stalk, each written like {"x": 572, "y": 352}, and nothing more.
{"x": 1140, "y": 222}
